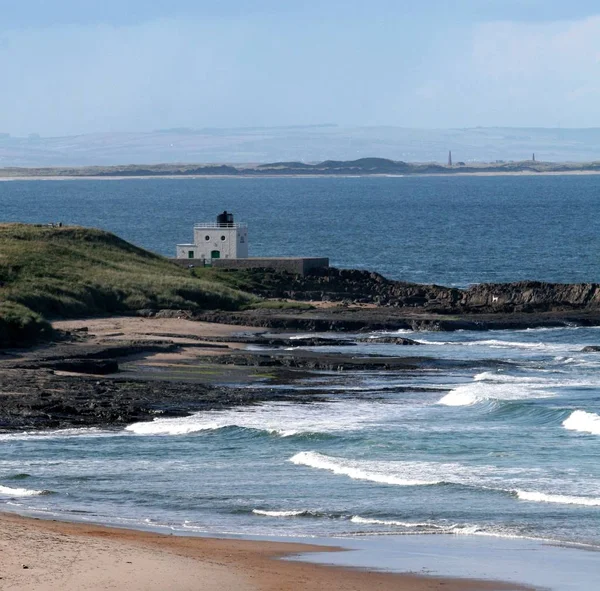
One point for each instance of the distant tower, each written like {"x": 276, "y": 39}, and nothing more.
{"x": 533, "y": 157}
{"x": 450, "y": 158}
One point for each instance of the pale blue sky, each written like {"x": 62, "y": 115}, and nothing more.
{"x": 73, "y": 66}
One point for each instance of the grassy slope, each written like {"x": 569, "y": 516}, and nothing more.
{"x": 71, "y": 271}
{"x": 250, "y": 280}
{"x": 244, "y": 279}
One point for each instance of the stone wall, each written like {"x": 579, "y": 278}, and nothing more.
{"x": 294, "y": 265}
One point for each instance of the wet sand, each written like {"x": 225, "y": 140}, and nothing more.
{"x": 39, "y": 555}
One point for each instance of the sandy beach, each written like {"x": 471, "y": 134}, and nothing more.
{"x": 45, "y": 555}
{"x": 38, "y": 555}
{"x": 118, "y": 177}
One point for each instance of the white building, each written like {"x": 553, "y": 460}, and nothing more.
{"x": 221, "y": 240}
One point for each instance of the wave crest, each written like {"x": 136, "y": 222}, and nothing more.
{"x": 284, "y": 419}
{"x": 21, "y": 492}
{"x": 400, "y": 474}
{"x": 495, "y": 386}
{"x": 539, "y": 497}
{"x": 407, "y": 524}
{"x": 585, "y": 422}
{"x": 292, "y": 513}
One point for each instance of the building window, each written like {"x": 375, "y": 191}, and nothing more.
{"x": 207, "y": 237}
{"x": 242, "y": 240}
{"x": 222, "y": 237}
{"x": 190, "y": 254}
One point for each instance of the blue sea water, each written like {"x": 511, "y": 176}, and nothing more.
{"x": 447, "y": 230}
{"x": 502, "y": 441}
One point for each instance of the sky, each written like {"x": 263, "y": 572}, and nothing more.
{"x": 81, "y": 66}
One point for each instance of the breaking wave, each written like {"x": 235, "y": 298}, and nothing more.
{"x": 299, "y": 513}
{"x": 539, "y": 497}
{"x": 484, "y": 478}
{"x": 492, "y": 386}
{"x": 500, "y": 344}
{"x": 391, "y": 522}
{"x": 585, "y": 422}
{"x": 284, "y": 419}
{"x": 21, "y": 492}
{"x": 56, "y": 434}
{"x": 446, "y": 529}
{"x": 397, "y": 473}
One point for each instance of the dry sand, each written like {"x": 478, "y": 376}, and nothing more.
{"x": 39, "y": 555}
{"x": 177, "y": 330}
{"x": 130, "y": 327}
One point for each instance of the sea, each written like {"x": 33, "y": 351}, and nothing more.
{"x": 500, "y": 442}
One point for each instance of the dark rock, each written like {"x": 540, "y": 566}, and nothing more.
{"x": 320, "y": 361}
{"x": 88, "y": 366}
{"x": 389, "y": 341}
{"x": 591, "y": 349}
{"x": 34, "y": 399}
{"x": 351, "y": 285}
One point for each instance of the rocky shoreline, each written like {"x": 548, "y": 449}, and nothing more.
{"x": 77, "y": 383}
{"x": 40, "y": 399}
{"x": 95, "y": 379}
{"x": 352, "y": 319}
{"x": 352, "y": 287}
{"x": 111, "y": 372}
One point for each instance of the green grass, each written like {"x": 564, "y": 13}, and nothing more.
{"x": 74, "y": 272}
{"x": 251, "y": 280}
{"x": 19, "y": 326}
{"x": 255, "y": 281}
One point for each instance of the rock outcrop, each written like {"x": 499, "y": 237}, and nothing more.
{"x": 364, "y": 287}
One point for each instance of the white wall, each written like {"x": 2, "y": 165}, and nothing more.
{"x": 230, "y": 242}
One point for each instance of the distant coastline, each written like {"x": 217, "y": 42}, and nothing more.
{"x": 343, "y": 168}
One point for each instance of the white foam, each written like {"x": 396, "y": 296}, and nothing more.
{"x": 386, "y": 333}
{"x": 428, "y": 342}
{"x": 539, "y": 497}
{"x": 460, "y": 396}
{"x": 56, "y": 434}
{"x": 407, "y": 524}
{"x": 500, "y": 344}
{"x": 20, "y": 492}
{"x": 284, "y": 419}
{"x": 585, "y": 422}
{"x": 396, "y": 473}
{"x": 503, "y": 378}
{"x": 280, "y": 513}
{"x": 498, "y": 386}
{"x": 502, "y": 480}
{"x": 452, "y": 529}
{"x": 491, "y": 532}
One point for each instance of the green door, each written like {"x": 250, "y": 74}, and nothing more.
{"x": 215, "y": 254}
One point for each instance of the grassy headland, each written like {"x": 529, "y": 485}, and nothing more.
{"x": 69, "y": 272}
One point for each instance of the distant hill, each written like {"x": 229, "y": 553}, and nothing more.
{"x": 360, "y": 167}
{"x": 302, "y": 145}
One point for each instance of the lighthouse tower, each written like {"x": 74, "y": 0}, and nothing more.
{"x": 224, "y": 239}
